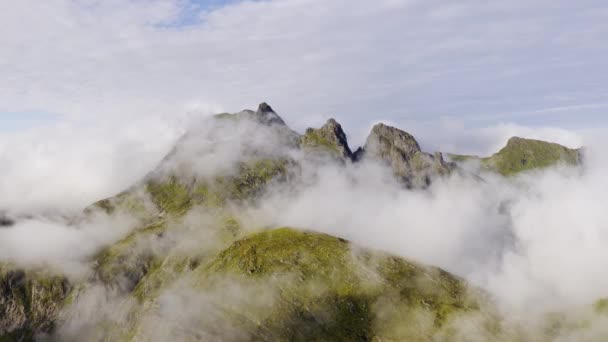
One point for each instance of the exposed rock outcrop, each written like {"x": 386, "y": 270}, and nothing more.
{"x": 30, "y": 302}
{"x": 264, "y": 115}
{"x": 329, "y": 138}
{"x": 6, "y": 221}
{"x": 402, "y": 152}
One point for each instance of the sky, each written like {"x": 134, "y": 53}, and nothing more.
{"x": 115, "y": 81}
{"x": 533, "y": 63}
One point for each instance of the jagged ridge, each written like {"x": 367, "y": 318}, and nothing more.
{"x": 162, "y": 198}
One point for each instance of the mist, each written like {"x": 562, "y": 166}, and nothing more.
{"x": 130, "y": 210}
{"x": 506, "y": 236}
{"x": 535, "y": 242}
{"x": 65, "y": 165}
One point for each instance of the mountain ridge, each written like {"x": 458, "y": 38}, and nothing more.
{"x": 177, "y": 192}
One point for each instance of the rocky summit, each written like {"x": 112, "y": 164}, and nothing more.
{"x": 401, "y": 151}
{"x": 330, "y": 138}
{"x": 198, "y": 268}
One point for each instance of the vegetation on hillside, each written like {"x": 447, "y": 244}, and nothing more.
{"x": 296, "y": 285}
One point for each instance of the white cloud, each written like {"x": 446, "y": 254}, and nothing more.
{"x": 535, "y": 242}
{"x": 463, "y": 77}
{"x": 68, "y": 165}
{"x": 400, "y": 59}
{"x": 60, "y": 245}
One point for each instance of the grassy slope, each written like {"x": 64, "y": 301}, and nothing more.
{"x": 315, "y": 139}
{"x": 520, "y": 155}
{"x": 174, "y": 199}
{"x": 328, "y": 292}
{"x": 526, "y": 154}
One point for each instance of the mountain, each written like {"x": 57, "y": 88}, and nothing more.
{"x": 521, "y": 155}
{"x": 199, "y": 268}
{"x": 401, "y": 151}
{"x": 329, "y": 138}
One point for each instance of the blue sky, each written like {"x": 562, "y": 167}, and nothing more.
{"x": 410, "y": 62}
{"x": 191, "y": 10}
{"x": 18, "y": 121}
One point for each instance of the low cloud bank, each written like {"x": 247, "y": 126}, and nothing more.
{"x": 535, "y": 242}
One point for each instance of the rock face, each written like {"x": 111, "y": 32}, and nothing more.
{"x": 267, "y": 115}
{"x": 30, "y": 302}
{"x": 401, "y": 151}
{"x": 6, "y": 221}
{"x": 329, "y": 138}
{"x": 264, "y": 115}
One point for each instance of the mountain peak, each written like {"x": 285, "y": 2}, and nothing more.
{"x": 402, "y": 152}
{"x": 514, "y": 140}
{"x": 329, "y": 137}
{"x": 265, "y": 108}
{"x": 383, "y": 135}
{"x": 522, "y": 154}
{"x": 266, "y": 115}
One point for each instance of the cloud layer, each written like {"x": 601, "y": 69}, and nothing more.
{"x": 124, "y": 79}
{"x": 528, "y": 62}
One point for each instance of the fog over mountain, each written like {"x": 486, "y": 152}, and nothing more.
{"x": 422, "y": 170}
{"x": 385, "y": 241}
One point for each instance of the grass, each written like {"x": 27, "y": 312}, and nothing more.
{"x": 124, "y": 260}
{"x": 172, "y": 266}
{"x": 520, "y": 155}
{"x": 170, "y": 196}
{"x": 125, "y": 200}
{"x": 226, "y": 116}
{"x": 461, "y": 158}
{"x": 329, "y": 293}
{"x": 244, "y": 186}
{"x": 525, "y": 154}
{"x": 314, "y": 138}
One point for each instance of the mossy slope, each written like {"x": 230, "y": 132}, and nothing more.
{"x": 526, "y": 154}
{"x": 520, "y": 155}
{"x": 326, "y": 291}
{"x": 166, "y": 195}
{"x": 128, "y": 260}
{"x": 330, "y": 138}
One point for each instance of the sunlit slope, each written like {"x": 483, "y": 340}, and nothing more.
{"x": 520, "y": 155}
{"x": 325, "y": 290}
{"x": 318, "y": 287}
